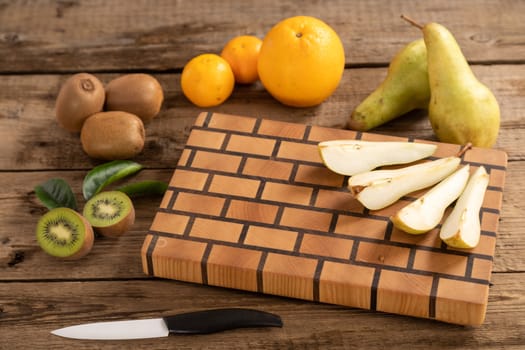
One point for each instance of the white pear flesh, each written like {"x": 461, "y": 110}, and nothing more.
{"x": 350, "y": 157}
{"x": 378, "y": 189}
{"x": 426, "y": 212}
{"x": 462, "y": 228}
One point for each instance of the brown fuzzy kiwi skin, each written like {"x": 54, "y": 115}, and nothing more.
{"x": 80, "y": 96}
{"x": 138, "y": 93}
{"x": 88, "y": 244}
{"x": 113, "y": 135}
{"x": 119, "y": 228}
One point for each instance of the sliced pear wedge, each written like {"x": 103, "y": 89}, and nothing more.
{"x": 378, "y": 189}
{"x": 426, "y": 212}
{"x": 462, "y": 228}
{"x": 350, "y": 157}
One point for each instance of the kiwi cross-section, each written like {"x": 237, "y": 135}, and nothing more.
{"x": 64, "y": 233}
{"x": 111, "y": 213}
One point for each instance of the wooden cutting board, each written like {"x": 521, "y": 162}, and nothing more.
{"x": 251, "y": 206}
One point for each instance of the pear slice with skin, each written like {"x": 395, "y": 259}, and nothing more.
{"x": 426, "y": 212}
{"x": 350, "y": 157}
{"x": 462, "y": 228}
{"x": 378, "y": 189}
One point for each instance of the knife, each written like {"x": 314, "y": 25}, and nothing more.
{"x": 197, "y": 322}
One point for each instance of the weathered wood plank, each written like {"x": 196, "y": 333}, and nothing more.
{"x": 50, "y": 36}
{"x": 34, "y": 309}
{"x": 32, "y": 139}
{"x": 22, "y": 259}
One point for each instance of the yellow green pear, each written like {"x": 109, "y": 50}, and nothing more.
{"x": 404, "y": 89}
{"x": 461, "y": 108}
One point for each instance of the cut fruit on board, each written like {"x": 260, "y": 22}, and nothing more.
{"x": 251, "y": 206}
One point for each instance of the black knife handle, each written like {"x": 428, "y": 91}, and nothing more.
{"x": 217, "y": 320}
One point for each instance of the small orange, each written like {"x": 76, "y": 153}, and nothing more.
{"x": 301, "y": 61}
{"x": 241, "y": 53}
{"x": 207, "y": 80}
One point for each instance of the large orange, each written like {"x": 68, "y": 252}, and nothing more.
{"x": 301, "y": 61}
{"x": 242, "y": 53}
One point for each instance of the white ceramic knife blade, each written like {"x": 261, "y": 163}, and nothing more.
{"x": 116, "y": 330}
{"x": 197, "y": 322}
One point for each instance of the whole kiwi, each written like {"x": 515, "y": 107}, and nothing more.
{"x": 79, "y": 97}
{"x": 139, "y": 94}
{"x": 113, "y": 135}
{"x": 64, "y": 233}
{"x": 111, "y": 213}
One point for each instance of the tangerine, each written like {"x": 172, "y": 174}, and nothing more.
{"x": 242, "y": 53}
{"x": 207, "y": 80}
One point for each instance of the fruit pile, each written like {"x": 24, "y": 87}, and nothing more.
{"x": 377, "y": 189}
{"x": 111, "y": 119}
{"x": 300, "y": 62}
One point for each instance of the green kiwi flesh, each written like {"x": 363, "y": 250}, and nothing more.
{"x": 64, "y": 233}
{"x": 111, "y": 213}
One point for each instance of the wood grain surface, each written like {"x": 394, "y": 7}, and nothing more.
{"x": 43, "y": 42}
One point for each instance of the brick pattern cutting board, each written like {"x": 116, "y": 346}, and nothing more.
{"x": 251, "y": 206}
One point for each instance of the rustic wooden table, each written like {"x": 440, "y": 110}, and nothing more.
{"x": 44, "y": 42}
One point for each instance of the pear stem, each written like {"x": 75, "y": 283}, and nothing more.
{"x": 411, "y": 21}
{"x": 464, "y": 149}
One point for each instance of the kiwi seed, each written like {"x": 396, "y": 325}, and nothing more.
{"x": 64, "y": 233}
{"x": 111, "y": 213}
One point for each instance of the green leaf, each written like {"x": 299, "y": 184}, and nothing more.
{"x": 144, "y": 188}
{"x": 107, "y": 173}
{"x": 56, "y": 193}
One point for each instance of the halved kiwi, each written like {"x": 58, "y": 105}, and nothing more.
{"x": 64, "y": 233}
{"x": 111, "y": 213}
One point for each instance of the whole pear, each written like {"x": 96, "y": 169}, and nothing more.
{"x": 404, "y": 89}
{"x": 461, "y": 108}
